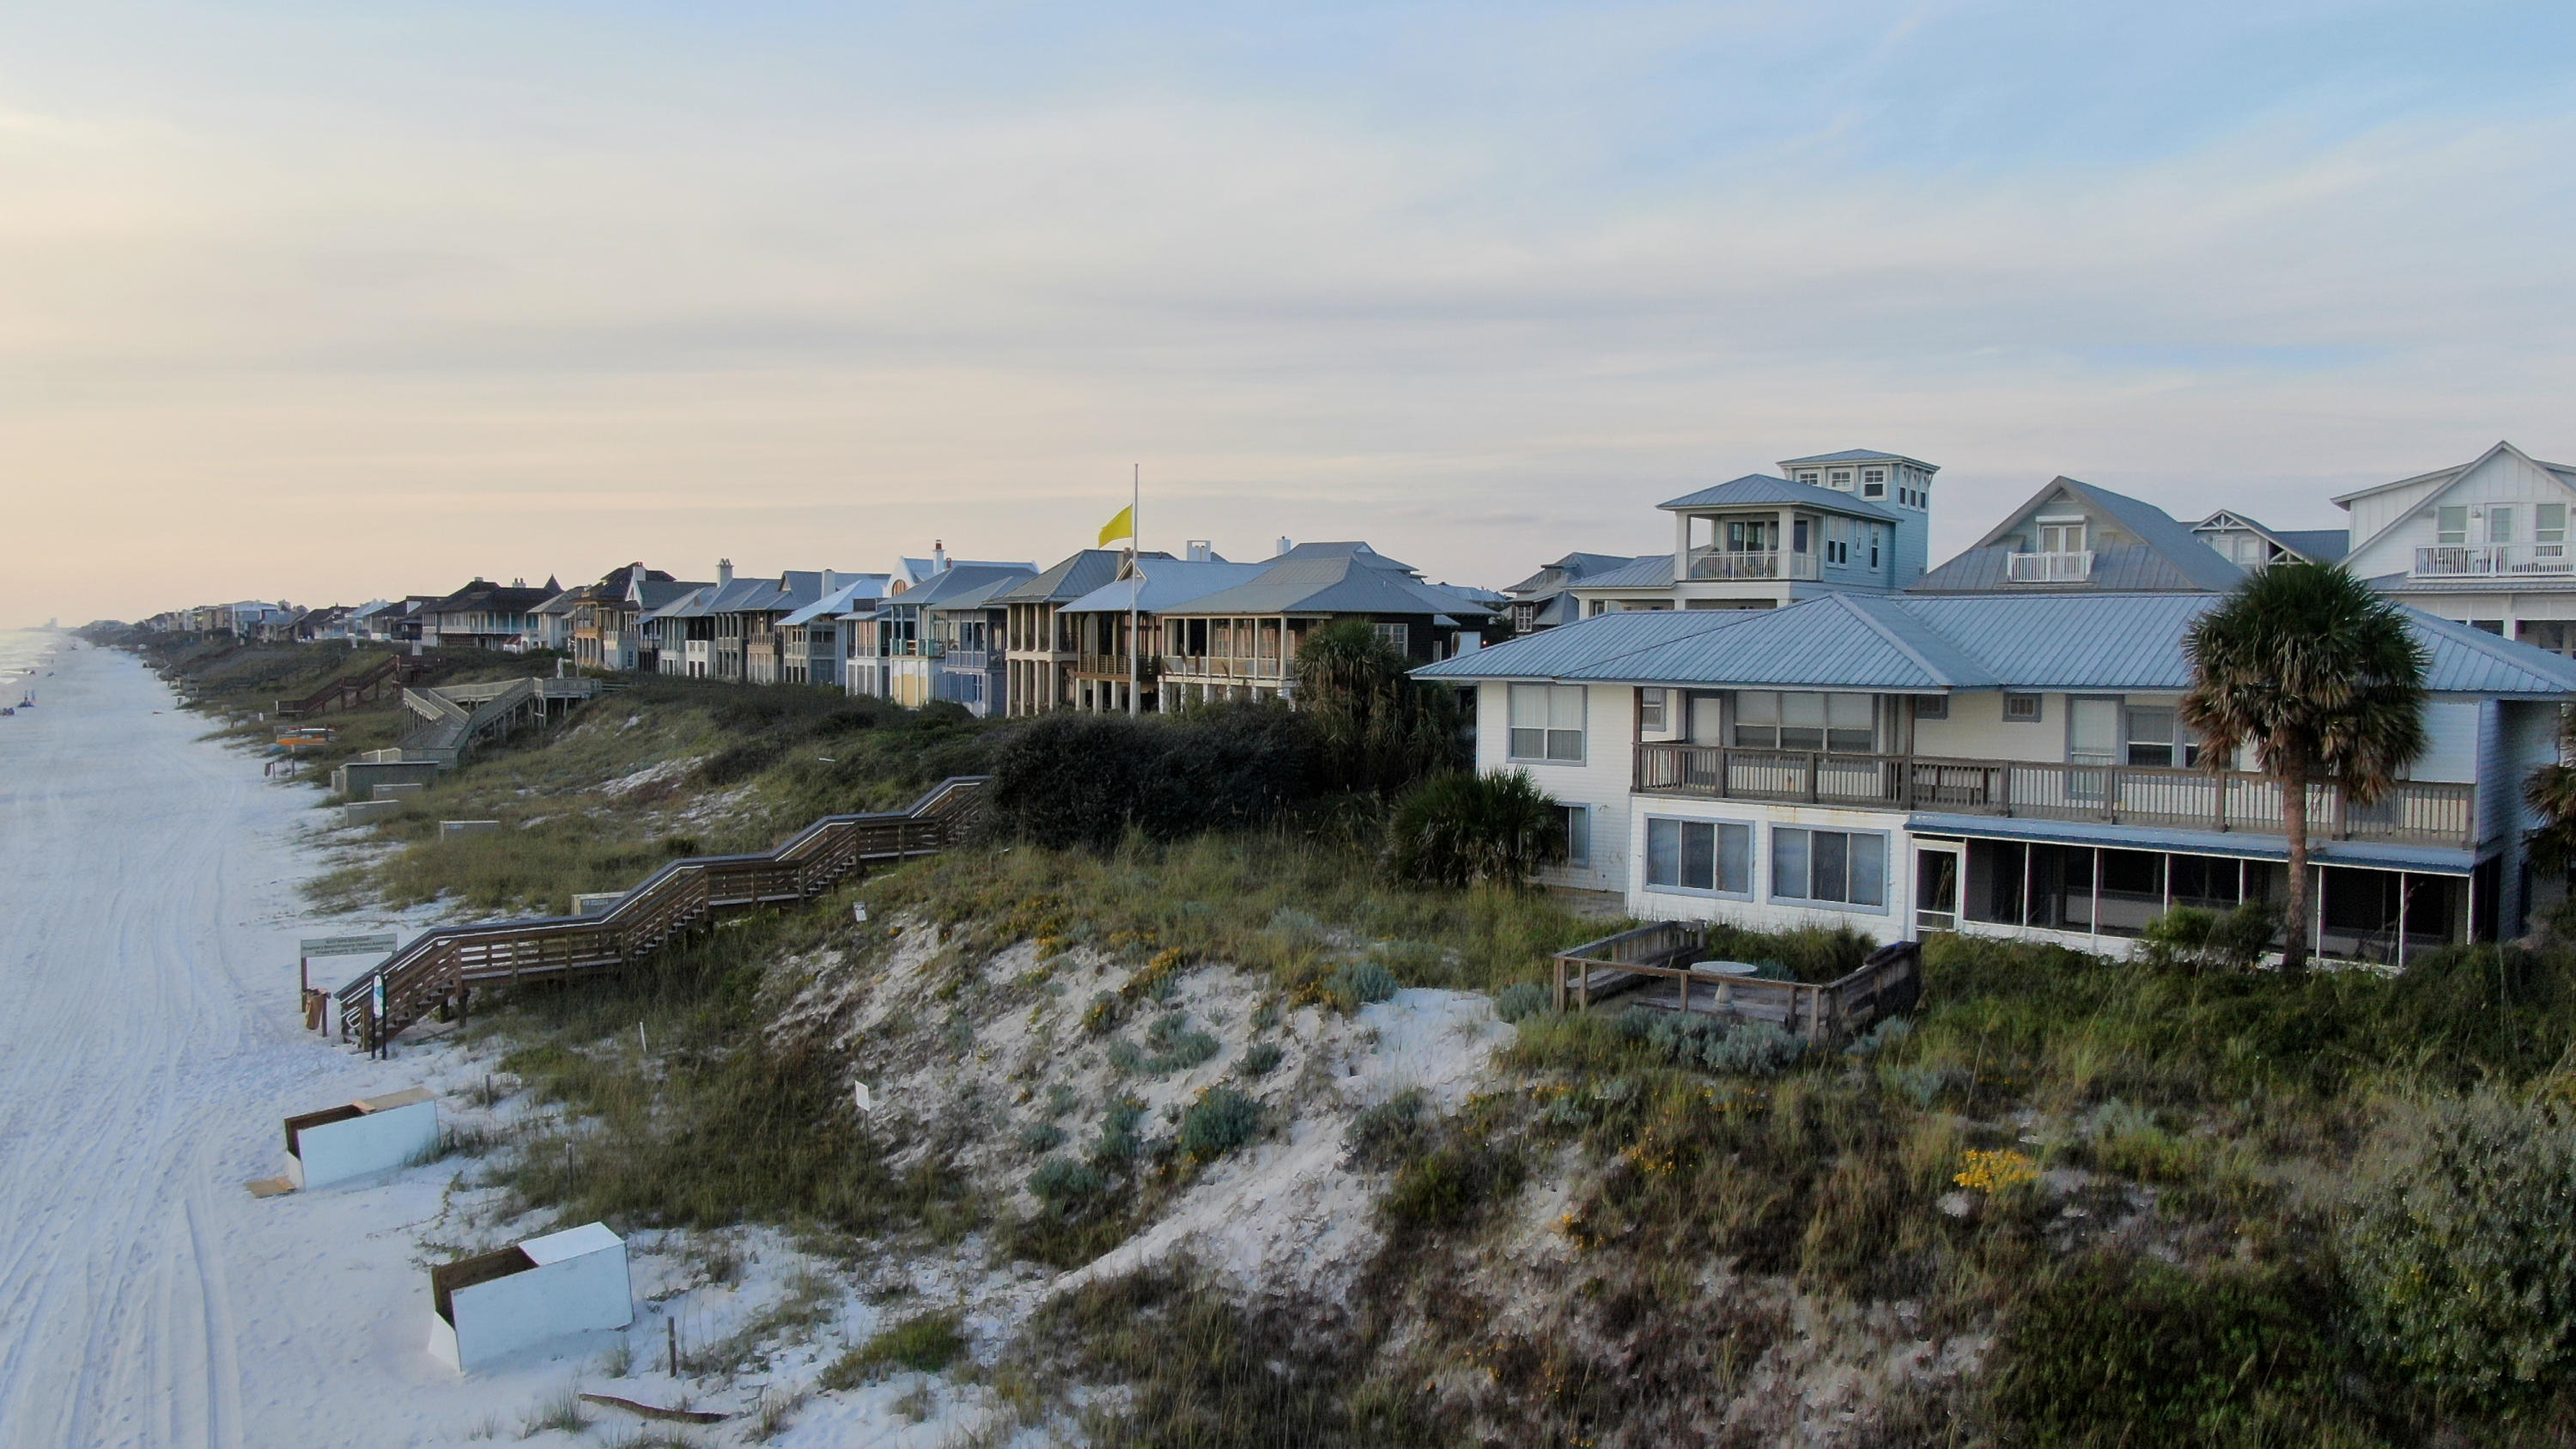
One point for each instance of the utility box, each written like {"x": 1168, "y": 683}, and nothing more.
{"x": 492, "y": 1305}
{"x": 359, "y": 812}
{"x": 374, "y": 1134}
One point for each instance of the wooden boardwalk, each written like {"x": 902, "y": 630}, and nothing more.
{"x": 1664, "y": 967}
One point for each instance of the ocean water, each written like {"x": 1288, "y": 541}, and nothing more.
{"x": 25, "y": 652}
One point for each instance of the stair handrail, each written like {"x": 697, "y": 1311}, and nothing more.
{"x": 418, "y": 960}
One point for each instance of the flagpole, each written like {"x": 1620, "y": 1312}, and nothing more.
{"x": 1135, "y": 583}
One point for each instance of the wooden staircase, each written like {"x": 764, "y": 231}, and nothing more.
{"x": 350, "y": 692}
{"x": 442, "y": 967}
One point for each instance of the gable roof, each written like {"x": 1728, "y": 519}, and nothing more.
{"x": 1652, "y": 571}
{"x": 2317, "y": 545}
{"x": 497, "y": 598}
{"x": 1166, "y": 586}
{"x": 962, "y": 584}
{"x": 1761, "y": 489}
{"x": 918, "y": 571}
{"x": 2566, "y": 474}
{"x": 1075, "y": 576}
{"x": 2039, "y": 642}
{"x": 2168, "y": 555}
{"x": 847, "y": 592}
{"x": 1360, "y": 582}
{"x": 1353, "y": 550}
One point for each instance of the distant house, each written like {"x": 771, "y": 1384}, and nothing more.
{"x": 813, "y": 642}
{"x": 325, "y": 625}
{"x": 887, "y": 641}
{"x": 1546, "y": 599}
{"x": 730, "y": 629}
{"x": 604, "y": 635}
{"x": 1241, "y": 643}
{"x": 484, "y": 615}
{"x": 2251, "y": 546}
{"x": 1040, "y": 645}
{"x": 905, "y": 641}
{"x": 1095, "y": 627}
{"x": 2483, "y": 542}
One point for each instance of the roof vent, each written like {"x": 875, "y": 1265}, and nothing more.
{"x": 1200, "y": 550}
{"x": 1284, "y": 546}
{"x": 724, "y": 572}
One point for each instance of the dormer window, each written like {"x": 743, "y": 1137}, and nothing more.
{"x": 1809, "y": 478}
{"x": 1873, "y": 482}
{"x": 2499, "y": 525}
{"x": 1839, "y": 478}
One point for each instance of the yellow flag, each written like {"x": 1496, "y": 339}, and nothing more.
{"x": 1123, "y": 526}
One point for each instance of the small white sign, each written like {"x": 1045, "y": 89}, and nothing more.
{"x": 866, "y": 1100}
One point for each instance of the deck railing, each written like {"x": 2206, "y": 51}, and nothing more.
{"x": 1662, "y": 963}
{"x": 2049, "y": 568}
{"x": 2427, "y": 811}
{"x": 443, "y": 966}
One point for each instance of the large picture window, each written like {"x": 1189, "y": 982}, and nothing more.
{"x": 1547, "y": 722}
{"x": 1848, "y": 866}
{"x": 1841, "y": 723}
{"x": 1715, "y": 856}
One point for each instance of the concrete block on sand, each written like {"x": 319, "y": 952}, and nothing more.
{"x": 358, "y": 812}
{"x": 447, "y": 828}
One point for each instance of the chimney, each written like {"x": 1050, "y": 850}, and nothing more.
{"x": 724, "y": 572}
{"x": 938, "y": 556}
{"x": 1199, "y": 550}
{"x": 831, "y": 581}
{"x": 518, "y": 583}
{"x": 1284, "y": 545}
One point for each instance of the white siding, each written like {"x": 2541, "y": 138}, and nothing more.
{"x": 2503, "y": 478}
{"x": 1601, "y": 781}
{"x": 2451, "y": 750}
{"x": 1977, "y": 730}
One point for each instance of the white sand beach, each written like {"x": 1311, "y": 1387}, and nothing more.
{"x": 149, "y": 1047}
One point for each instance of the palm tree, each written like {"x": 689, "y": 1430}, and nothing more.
{"x": 2324, "y": 679}
{"x": 2551, "y": 793}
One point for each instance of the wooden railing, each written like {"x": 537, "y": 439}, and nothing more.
{"x": 1890, "y": 980}
{"x": 342, "y": 693}
{"x": 1219, "y": 666}
{"x": 443, "y": 966}
{"x": 2439, "y": 812}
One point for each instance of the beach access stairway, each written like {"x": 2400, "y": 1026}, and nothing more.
{"x": 348, "y": 693}
{"x": 455, "y": 717}
{"x": 443, "y": 967}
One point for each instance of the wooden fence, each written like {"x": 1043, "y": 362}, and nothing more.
{"x": 1657, "y": 966}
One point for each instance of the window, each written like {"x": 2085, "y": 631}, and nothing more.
{"x": 1840, "y": 478}
{"x": 1840, "y": 723}
{"x": 1873, "y": 482}
{"x": 1874, "y": 532}
{"x": 2021, "y": 708}
{"x": 2492, "y": 626}
{"x": 1931, "y": 706}
{"x": 2499, "y": 525}
{"x": 2157, "y": 737}
{"x": 2061, "y": 537}
{"x": 1395, "y": 634}
{"x": 1699, "y": 855}
{"x": 1799, "y": 544}
{"x": 1838, "y": 540}
{"x": 2451, "y": 525}
{"x": 1650, "y": 710}
{"x": 1752, "y": 536}
{"x": 2549, "y": 530}
{"x": 1829, "y": 865}
{"x": 1809, "y": 478}
{"x": 1577, "y": 820}
{"x": 1547, "y": 722}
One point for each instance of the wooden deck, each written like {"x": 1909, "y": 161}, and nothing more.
{"x": 1665, "y": 967}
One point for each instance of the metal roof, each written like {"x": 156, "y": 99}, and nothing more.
{"x": 2168, "y": 555}
{"x": 2039, "y": 642}
{"x": 1168, "y": 585}
{"x": 2324, "y": 545}
{"x": 2127, "y": 569}
{"x": 963, "y": 585}
{"x": 1345, "y": 584}
{"x": 1762, "y": 490}
{"x": 1654, "y": 571}
{"x": 1857, "y": 455}
{"x": 1074, "y": 577}
{"x": 842, "y": 597}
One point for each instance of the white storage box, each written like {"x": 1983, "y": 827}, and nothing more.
{"x": 376, "y": 1134}
{"x": 495, "y": 1304}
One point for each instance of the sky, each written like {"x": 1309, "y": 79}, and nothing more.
{"x": 332, "y": 301}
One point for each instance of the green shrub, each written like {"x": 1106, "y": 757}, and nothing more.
{"x": 1375, "y": 728}
{"x": 1118, "y": 1140}
{"x": 1069, "y": 778}
{"x": 1126, "y": 1058}
{"x": 1463, "y": 829}
{"x": 1221, "y": 1120}
{"x": 1260, "y": 1059}
{"x": 1382, "y": 1136}
{"x": 2113, "y": 1350}
{"x": 1450, "y": 1186}
{"x": 2187, "y": 938}
{"x": 1522, "y": 999}
{"x": 1064, "y": 1184}
{"x": 1357, "y": 985}
{"x": 1041, "y": 1137}
{"x": 2463, "y": 1260}
{"x": 1754, "y": 1049}
{"x": 1176, "y": 1048}
{"x": 927, "y": 1344}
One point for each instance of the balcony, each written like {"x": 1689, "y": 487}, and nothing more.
{"x": 2049, "y": 568}
{"x": 1751, "y": 564}
{"x": 1217, "y": 666}
{"x": 2416, "y": 811}
{"x": 2493, "y": 560}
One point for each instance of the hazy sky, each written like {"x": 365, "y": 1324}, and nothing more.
{"x": 334, "y": 300}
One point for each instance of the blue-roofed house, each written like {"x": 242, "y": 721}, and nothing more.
{"x": 1095, "y": 628}
{"x": 901, "y": 645}
{"x": 1546, "y": 599}
{"x": 2248, "y": 543}
{"x": 1241, "y": 642}
{"x": 1043, "y": 650}
{"x": 813, "y": 638}
{"x": 2003, "y": 762}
